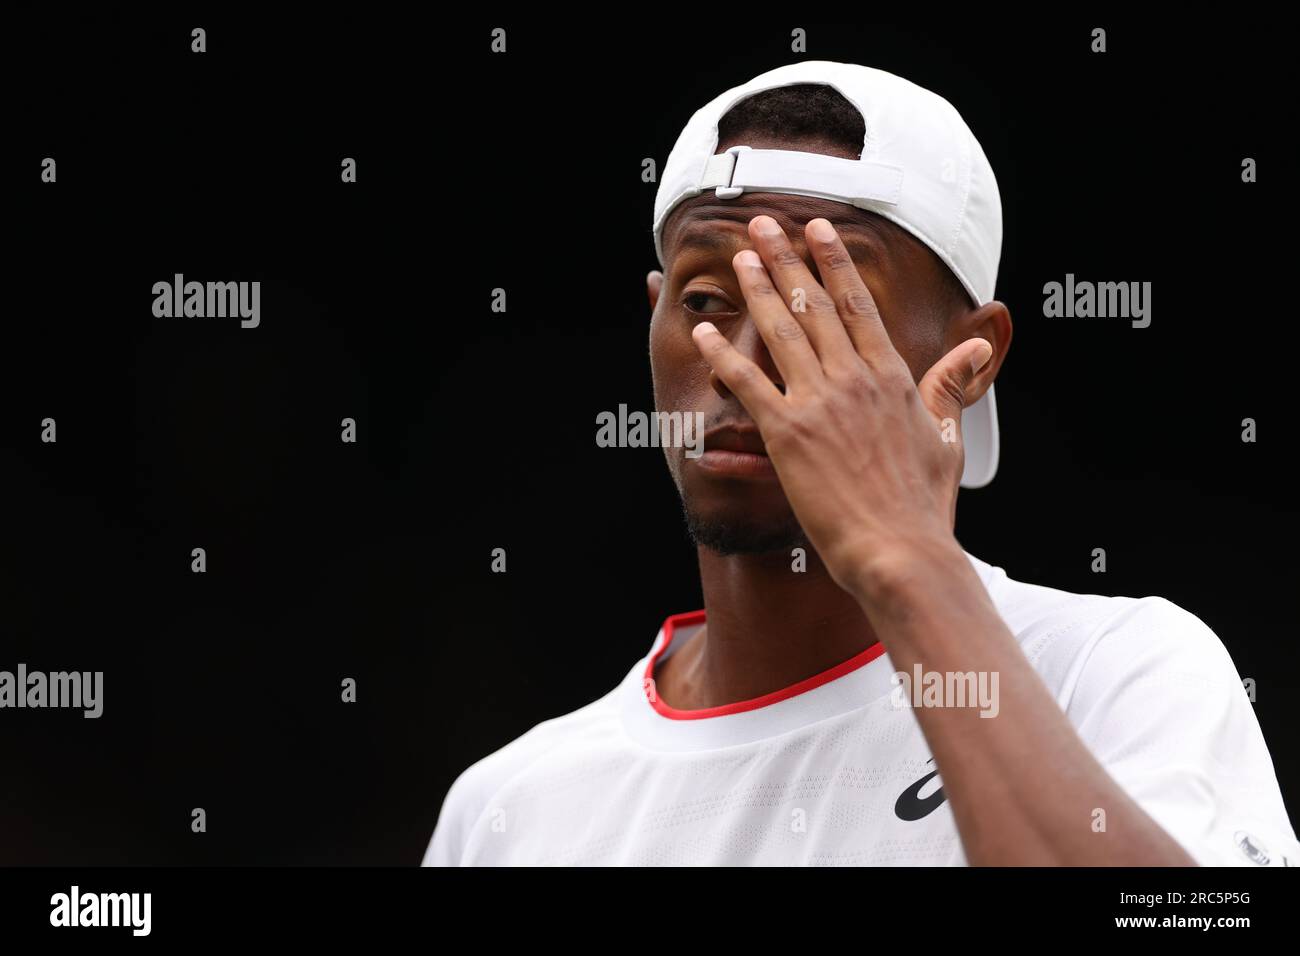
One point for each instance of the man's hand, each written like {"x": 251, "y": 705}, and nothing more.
{"x": 869, "y": 460}
{"x": 862, "y": 457}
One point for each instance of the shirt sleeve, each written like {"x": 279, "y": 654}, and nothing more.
{"x": 450, "y": 834}
{"x": 1159, "y": 702}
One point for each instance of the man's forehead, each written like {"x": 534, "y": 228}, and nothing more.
{"x": 707, "y": 223}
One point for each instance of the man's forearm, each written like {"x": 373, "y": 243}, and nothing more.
{"x": 1023, "y": 787}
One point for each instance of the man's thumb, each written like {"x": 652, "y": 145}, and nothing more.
{"x": 943, "y": 389}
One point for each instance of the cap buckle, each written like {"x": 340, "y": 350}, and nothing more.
{"x": 729, "y": 191}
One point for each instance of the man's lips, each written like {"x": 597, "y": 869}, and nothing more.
{"x": 731, "y": 438}
{"x": 736, "y": 453}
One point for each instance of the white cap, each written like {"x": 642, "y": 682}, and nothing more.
{"x": 921, "y": 167}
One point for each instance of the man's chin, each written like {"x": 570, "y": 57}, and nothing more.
{"x": 737, "y": 534}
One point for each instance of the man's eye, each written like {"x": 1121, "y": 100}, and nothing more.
{"x": 703, "y": 303}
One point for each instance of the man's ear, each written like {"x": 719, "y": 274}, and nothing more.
{"x": 991, "y": 322}
{"x": 654, "y": 281}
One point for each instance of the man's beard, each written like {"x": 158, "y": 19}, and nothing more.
{"x": 744, "y": 537}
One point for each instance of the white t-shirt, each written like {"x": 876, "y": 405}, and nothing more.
{"x": 831, "y": 771}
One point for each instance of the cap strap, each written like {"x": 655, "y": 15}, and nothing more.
{"x": 854, "y": 181}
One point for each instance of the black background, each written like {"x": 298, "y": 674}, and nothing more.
{"x": 476, "y": 429}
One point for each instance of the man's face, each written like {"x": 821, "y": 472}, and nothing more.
{"x": 733, "y": 502}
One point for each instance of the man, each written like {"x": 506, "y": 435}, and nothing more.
{"x": 858, "y": 688}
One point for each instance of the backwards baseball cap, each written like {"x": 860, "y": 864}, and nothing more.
{"x": 921, "y": 168}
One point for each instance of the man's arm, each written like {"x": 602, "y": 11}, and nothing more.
{"x": 1023, "y": 786}
{"x": 857, "y": 445}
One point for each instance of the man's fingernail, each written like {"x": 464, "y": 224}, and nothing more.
{"x": 748, "y": 257}
{"x": 706, "y": 327}
{"x": 981, "y": 357}
{"x": 821, "y": 230}
{"x": 766, "y": 226}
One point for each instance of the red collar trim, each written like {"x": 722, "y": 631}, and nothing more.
{"x": 697, "y": 617}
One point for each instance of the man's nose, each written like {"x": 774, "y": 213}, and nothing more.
{"x": 749, "y": 343}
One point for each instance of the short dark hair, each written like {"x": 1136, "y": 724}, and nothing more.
{"x": 803, "y": 111}
{"x": 817, "y": 113}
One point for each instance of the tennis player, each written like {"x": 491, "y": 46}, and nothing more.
{"x": 858, "y": 689}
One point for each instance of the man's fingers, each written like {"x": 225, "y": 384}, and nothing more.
{"x": 853, "y": 300}
{"x": 785, "y": 338}
{"x": 809, "y": 303}
{"x": 943, "y": 388}
{"x": 747, "y": 381}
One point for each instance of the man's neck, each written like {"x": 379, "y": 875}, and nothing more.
{"x": 767, "y": 627}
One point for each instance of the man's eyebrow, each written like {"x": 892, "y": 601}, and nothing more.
{"x": 698, "y": 235}
{"x": 710, "y": 240}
